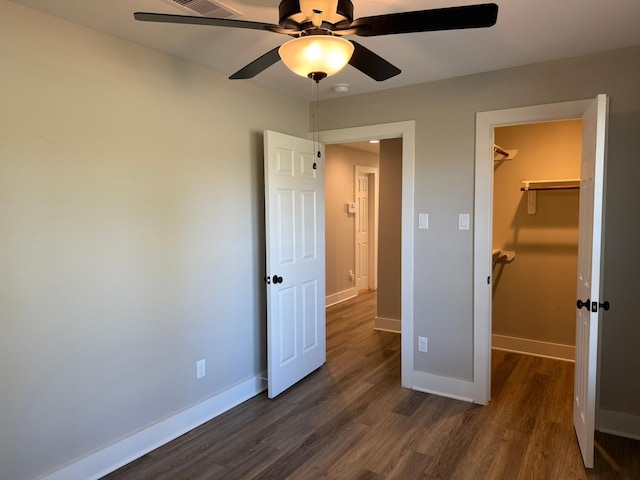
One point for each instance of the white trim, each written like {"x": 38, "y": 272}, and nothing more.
{"x": 443, "y": 386}
{"x": 373, "y": 233}
{"x": 109, "y": 459}
{"x": 620, "y": 424}
{"x": 537, "y": 348}
{"x": 392, "y": 325}
{"x": 340, "y": 297}
{"x": 406, "y": 130}
{"x": 483, "y": 211}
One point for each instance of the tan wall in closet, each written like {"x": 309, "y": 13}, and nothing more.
{"x": 534, "y": 295}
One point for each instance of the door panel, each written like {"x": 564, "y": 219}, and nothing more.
{"x": 591, "y": 235}
{"x": 285, "y": 226}
{"x": 310, "y": 315}
{"x": 309, "y": 224}
{"x": 294, "y": 224}
{"x": 287, "y": 319}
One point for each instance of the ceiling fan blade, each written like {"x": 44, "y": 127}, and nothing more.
{"x": 372, "y": 64}
{"x": 452, "y": 18}
{"x": 257, "y": 66}
{"x": 216, "y": 22}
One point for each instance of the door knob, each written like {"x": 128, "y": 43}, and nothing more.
{"x": 277, "y": 279}
{"x": 582, "y": 304}
{"x": 604, "y": 306}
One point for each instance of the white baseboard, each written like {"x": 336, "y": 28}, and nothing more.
{"x": 392, "y": 325}
{"x": 109, "y": 459}
{"x": 620, "y": 424}
{"x": 342, "y": 296}
{"x": 443, "y": 386}
{"x": 534, "y": 347}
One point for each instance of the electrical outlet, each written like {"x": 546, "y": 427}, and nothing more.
{"x": 423, "y": 344}
{"x": 200, "y": 368}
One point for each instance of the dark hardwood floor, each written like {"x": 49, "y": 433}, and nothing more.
{"x": 351, "y": 419}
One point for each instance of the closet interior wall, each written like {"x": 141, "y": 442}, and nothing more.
{"x": 534, "y": 295}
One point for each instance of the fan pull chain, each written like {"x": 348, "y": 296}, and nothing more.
{"x": 316, "y": 123}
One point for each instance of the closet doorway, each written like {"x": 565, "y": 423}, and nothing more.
{"x": 590, "y": 304}
{"x": 535, "y": 238}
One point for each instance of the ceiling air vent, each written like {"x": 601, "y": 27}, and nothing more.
{"x": 206, "y": 8}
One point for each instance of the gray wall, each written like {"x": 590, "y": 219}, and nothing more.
{"x": 389, "y": 229}
{"x": 131, "y": 237}
{"x": 444, "y": 112}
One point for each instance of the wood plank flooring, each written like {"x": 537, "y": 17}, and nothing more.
{"x": 351, "y": 419}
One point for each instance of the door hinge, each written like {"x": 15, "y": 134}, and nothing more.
{"x": 489, "y": 280}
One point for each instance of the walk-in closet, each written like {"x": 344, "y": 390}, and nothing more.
{"x": 535, "y": 237}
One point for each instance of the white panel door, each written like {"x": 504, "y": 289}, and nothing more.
{"x": 588, "y": 317}
{"x": 294, "y": 217}
{"x": 363, "y": 244}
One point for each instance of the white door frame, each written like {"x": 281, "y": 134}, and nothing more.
{"x": 373, "y": 226}
{"x": 483, "y": 231}
{"x": 407, "y": 131}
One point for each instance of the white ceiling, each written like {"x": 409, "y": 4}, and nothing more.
{"x": 527, "y": 31}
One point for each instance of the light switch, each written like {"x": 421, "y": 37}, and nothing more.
{"x": 463, "y": 221}
{"x": 423, "y": 221}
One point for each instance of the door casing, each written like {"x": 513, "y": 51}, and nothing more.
{"x": 483, "y": 221}
{"x": 406, "y": 131}
{"x": 485, "y": 125}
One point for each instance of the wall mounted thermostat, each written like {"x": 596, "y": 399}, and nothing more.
{"x": 351, "y": 207}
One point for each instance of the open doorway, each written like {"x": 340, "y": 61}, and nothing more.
{"x": 351, "y": 198}
{"x": 593, "y": 113}
{"x": 363, "y": 187}
{"x": 406, "y": 132}
{"x": 535, "y": 238}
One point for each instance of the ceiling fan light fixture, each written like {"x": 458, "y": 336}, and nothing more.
{"x": 313, "y": 54}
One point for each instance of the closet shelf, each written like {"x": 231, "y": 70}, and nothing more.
{"x": 533, "y": 186}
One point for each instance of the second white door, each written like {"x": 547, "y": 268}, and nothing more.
{"x": 365, "y": 221}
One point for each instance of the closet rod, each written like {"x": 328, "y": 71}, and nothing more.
{"x": 501, "y": 259}
{"x": 497, "y": 149}
{"x": 551, "y": 187}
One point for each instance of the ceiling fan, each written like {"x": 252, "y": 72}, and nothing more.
{"x": 318, "y": 49}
